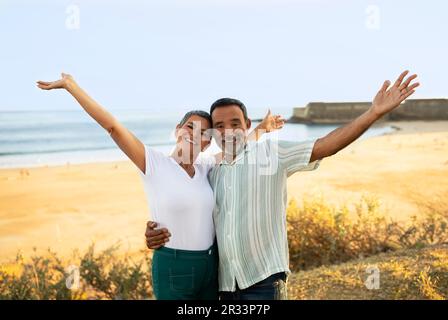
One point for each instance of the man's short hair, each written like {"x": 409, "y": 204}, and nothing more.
{"x": 226, "y": 102}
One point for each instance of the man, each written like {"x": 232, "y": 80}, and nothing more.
{"x": 250, "y": 190}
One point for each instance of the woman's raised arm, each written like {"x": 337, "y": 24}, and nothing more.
{"x": 269, "y": 123}
{"x": 125, "y": 140}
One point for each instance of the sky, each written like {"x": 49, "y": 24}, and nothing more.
{"x": 168, "y": 55}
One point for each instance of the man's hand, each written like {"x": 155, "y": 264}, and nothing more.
{"x": 385, "y": 101}
{"x": 388, "y": 99}
{"x": 156, "y": 238}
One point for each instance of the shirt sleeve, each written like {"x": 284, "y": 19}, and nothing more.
{"x": 295, "y": 156}
{"x": 153, "y": 159}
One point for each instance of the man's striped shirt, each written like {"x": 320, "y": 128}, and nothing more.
{"x": 250, "y": 210}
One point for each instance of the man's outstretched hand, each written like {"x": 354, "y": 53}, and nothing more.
{"x": 388, "y": 98}
{"x": 156, "y": 238}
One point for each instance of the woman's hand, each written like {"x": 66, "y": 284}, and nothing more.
{"x": 125, "y": 140}
{"x": 62, "y": 83}
{"x": 268, "y": 124}
{"x": 271, "y": 122}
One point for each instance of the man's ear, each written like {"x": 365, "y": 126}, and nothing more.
{"x": 248, "y": 123}
{"x": 177, "y": 130}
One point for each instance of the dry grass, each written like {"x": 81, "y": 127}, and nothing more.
{"x": 320, "y": 234}
{"x": 103, "y": 275}
{"x": 404, "y": 274}
{"x": 412, "y": 259}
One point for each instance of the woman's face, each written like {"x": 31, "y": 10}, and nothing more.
{"x": 194, "y": 136}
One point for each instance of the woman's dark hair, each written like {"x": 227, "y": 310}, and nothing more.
{"x": 200, "y": 113}
{"x": 225, "y": 102}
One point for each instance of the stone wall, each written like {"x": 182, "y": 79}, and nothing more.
{"x": 418, "y": 109}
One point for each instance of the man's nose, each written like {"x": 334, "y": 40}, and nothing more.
{"x": 229, "y": 130}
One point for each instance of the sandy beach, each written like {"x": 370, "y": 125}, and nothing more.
{"x": 403, "y": 169}
{"x": 71, "y": 206}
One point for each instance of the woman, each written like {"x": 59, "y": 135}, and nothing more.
{"x": 179, "y": 195}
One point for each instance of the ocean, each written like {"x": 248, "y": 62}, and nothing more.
{"x": 38, "y": 138}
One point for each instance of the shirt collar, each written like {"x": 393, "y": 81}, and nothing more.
{"x": 247, "y": 148}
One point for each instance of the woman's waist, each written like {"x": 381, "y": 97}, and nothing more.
{"x": 184, "y": 253}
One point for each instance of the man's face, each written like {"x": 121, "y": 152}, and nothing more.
{"x": 230, "y": 128}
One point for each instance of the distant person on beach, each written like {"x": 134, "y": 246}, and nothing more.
{"x": 249, "y": 186}
{"x": 179, "y": 195}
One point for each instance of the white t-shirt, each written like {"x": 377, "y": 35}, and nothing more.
{"x": 178, "y": 202}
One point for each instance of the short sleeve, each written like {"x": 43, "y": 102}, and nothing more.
{"x": 153, "y": 158}
{"x": 295, "y": 156}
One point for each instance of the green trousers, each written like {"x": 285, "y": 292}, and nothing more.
{"x": 184, "y": 274}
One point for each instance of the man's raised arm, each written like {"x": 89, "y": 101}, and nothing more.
{"x": 387, "y": 99}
